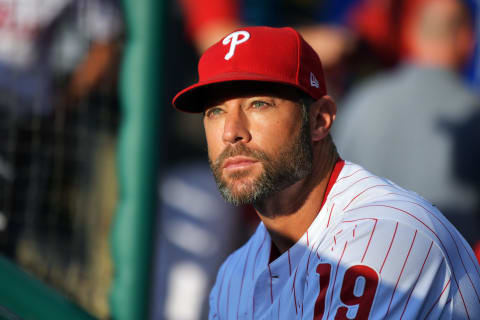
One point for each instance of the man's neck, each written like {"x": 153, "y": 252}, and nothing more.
{"x": 288, "y": 214}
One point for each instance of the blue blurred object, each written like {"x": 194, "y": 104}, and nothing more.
{"x": 196, "y": 231}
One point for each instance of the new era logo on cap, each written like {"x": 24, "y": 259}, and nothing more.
{"x": 313, "y": 81}
{"x": 257, "y": 54}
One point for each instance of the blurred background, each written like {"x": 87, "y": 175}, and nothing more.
{"x": 108, "y": 209}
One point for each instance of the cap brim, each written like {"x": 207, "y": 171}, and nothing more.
{"x": 195, "y": 98}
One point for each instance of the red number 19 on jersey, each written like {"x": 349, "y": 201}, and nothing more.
{"x": 349, "y": 293}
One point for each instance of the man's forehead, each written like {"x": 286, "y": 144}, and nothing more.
{"x": 246, "y": 89}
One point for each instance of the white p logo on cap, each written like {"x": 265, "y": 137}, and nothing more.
{"x": 234, "y": 40}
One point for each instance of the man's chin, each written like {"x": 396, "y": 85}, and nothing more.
{"x": 240, "y": 187}
{"x": 240, "y": 177}
{"x": 240, "y": 191}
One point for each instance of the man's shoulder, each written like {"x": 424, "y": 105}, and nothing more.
{"x": 360, "y": 195}
{"x": 360, "y": 199}
{"x": 357, "y": 186}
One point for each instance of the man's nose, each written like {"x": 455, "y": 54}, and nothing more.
{"x": 236, "y": 128}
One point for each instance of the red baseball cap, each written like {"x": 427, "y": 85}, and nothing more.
{"x": 258, "y": 54}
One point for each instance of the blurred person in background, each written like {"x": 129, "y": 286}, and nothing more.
{"x": 414, "y": 125}
{"x": 36, "y": 48}
{"x": 53, "y": 53}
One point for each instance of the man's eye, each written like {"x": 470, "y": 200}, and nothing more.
{"x": 213, "y": 112}
{"x": 258, "y": 104}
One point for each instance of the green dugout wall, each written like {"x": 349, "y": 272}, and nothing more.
{"x": 138, "y": 157}
{"x": 24, "y": 297}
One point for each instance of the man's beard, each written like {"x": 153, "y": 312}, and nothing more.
{"x": 291, "y": 164}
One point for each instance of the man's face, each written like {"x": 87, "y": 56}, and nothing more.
{"x": 258, "y": 144}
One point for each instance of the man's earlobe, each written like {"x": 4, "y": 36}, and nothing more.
{"x": 322, "y": 114}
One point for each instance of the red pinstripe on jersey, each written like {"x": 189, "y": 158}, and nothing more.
{"x": 289, "y": 263}
{"x": 243, "y": 278}
{"x": 436, "y": 301}
{"x": 256, "y": 255}
{"x": 335, "y": 237}
{"x": 271, "y": 289}
{"x": 365, "y": 190}
{"x": 369, "y": 240}
{"x": 253, "y": 270}
{"x": 468, "y": 276}
{"x": 371, "y": 233}
{"x": 317, "y": 251}
{"x": 389, "y": 247}
{"x": 350, "y": 186}
{"x": 401, "y": 272}
{"x": 335, "y": 277}
{"x": 472, "y": 259}
{"x": 416, "y": 281}
{"x": 308, "y": 262}
{"x": 221, "y": 286}
{"x": 294, "y": 292}
{"x": 330, "y": 215}
{"x": 350, "y": 175}
{"x": 228, "y": 288}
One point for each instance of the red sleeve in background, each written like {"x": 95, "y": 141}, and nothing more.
{"x": 476, "y": 249}
{"x": 199, "y": 14}
{"x": 386, "y": 24}
{"x": 372, "y": 20}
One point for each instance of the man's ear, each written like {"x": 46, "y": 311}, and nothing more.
{"x": 322, "y": 114}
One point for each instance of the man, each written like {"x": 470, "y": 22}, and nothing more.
{"x": 335, "y": 241}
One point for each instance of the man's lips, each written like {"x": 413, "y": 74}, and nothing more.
{"x": 238, "y": 162}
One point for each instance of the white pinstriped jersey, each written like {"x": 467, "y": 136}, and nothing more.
{"x": 375, "y": 251}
